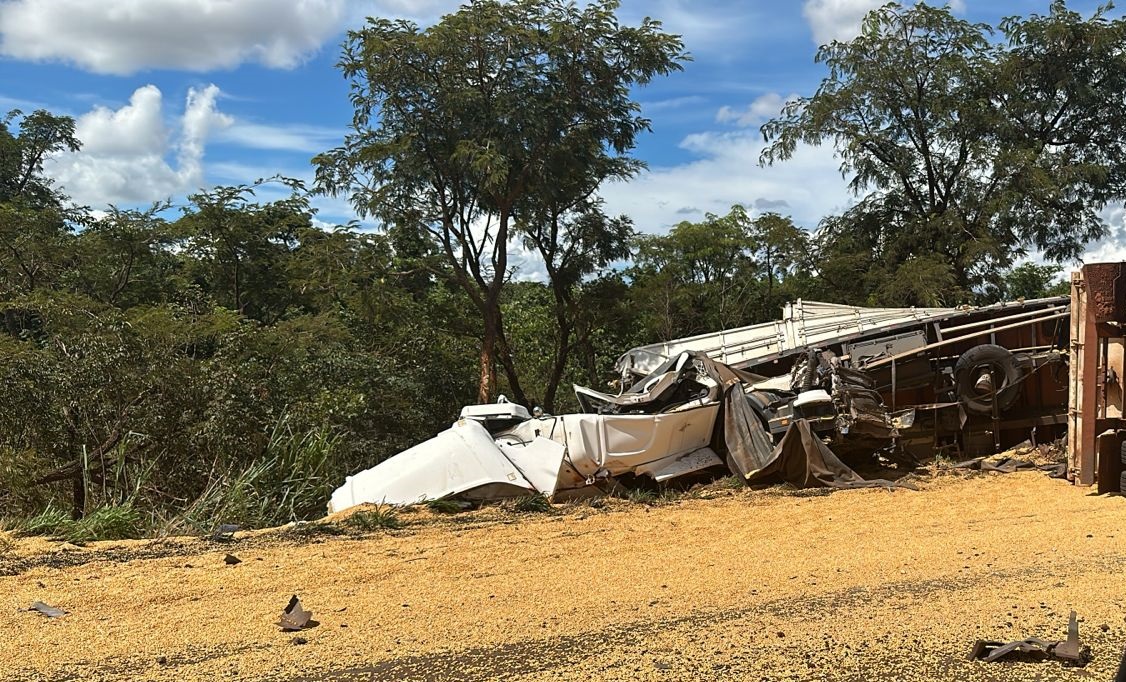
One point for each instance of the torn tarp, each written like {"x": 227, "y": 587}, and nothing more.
{"x": 1009, "y": 465}
{"x": 803, "y": 460}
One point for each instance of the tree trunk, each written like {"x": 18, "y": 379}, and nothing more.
{"x": 563, "y": 331}
{"x": 488, "y": 381}
{"x": 504, "y": 354}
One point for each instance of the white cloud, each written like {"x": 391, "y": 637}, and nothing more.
{"x": 836, "y": 19}
{"x": 126, "y": 36}
{"x": 808, "y": 186}
{"x": 831, "y": 20}
{"x": 757, "y": 112}
{"x": 125, "y": 154}
{"x": 1112, "y": 248}
{"x": 290, "y": 137}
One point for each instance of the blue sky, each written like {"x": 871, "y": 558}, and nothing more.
{"x": 172, "y": 95}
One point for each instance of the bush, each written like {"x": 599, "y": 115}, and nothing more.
{"x": 120, "y": 522}
{"x": 51, "y": 521}
{"x": 375, "y": 518}
{"x": 533, "y": 504}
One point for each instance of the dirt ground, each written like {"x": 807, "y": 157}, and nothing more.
{"x": 748, "y": 585}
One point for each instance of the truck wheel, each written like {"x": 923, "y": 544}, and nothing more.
{"x": 975, "y": 374}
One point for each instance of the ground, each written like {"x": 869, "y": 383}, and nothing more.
{"x": 727, "y": 585}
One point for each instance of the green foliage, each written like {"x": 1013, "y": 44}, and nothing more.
{"x": 966, "y": 151}
{"x": 112, "y": 522}
{"x": 1030, "y": 281}
{"x": 499, "y": 121}
{"x": 51, "y": 521}
{"x": 376, "y": 518}
{"x": 445, "y": 506}
{"x": 533, "y": 504}
{"x": 106, "y": 523}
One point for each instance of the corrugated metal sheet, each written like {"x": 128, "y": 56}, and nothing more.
{"x": 803, "y": 324}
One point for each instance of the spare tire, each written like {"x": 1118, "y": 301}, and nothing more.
{"x": 969, "y": 379}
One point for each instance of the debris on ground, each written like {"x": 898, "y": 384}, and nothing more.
{"x": 1070, "y": 651}
{"x": 914, "y": 581}
{"x": 47, "y": 610}
{"x": 225, "y": 533}
{"x": 231, "y": 560}
{"x": 294, "y": 617}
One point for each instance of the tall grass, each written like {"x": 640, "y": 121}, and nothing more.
{"x": 291, "y": 481}
{"x": 109, "y": 522}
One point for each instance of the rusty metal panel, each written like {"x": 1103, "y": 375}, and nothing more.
{"x": 1106, "y": 291}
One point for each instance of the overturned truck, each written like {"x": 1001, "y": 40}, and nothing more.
{"x": 773, "y": 401}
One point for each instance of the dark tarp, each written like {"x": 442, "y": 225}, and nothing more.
{"x": 746, "y": 442}
{"x": 803, "y": 460}
{"x": 1008, "y": 465}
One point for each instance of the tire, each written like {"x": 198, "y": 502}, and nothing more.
{"x": 1122, "y": 483}
{"x": 1123, "y": 451}
{"x": 1005, "y": 369}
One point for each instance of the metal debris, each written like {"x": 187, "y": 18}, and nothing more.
{"x": 47, "y": 610}
{"x": 231, "y": 560}
{"x": 294, "y": 617}
{"x": 1070, "y": 650}
{"x": 224, "y": 533}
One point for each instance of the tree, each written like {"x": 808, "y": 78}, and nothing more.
{"x": 698, "y": 278}
{"x": 967, "y": 152}
{"x": 1030, "y": 281}
{"x": 243, "y": 245}
{"x": 779, "y": 246}
{"x": 124, "y": 258}
{"x": 572, "y": 246}
{"x": 35, "y": 220}
{"x": 456, "y": 126}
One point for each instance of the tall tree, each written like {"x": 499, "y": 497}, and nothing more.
{"x": 969, "y": 152}
{"x": 243, "y": 245}
{"x": 698, "y": 278}
{"x": 457, "y": 125}
{"x": 35, "y": 217}
{"x": 779, "y": 246}
{"x": 573, "y": 245}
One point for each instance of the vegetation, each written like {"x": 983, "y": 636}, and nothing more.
{"x": 970, "y": 147}
{"x": 232, "y": 360}
{"x": 380, "y": 516}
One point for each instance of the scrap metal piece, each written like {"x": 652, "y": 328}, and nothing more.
{"x": 225, "y": 532}
{"x": 47, "y": 610}
{"x": 1070, "y": 651}
{"x": 992, "y": 650}
{"x": 294, "y": 617}
{"x": 231, "y": 560}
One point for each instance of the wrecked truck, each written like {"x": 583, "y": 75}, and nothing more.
{"x": 766, "y": 402}
{"x": 690, "y": 415}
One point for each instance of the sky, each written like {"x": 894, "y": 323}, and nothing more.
{"x": 175, "y": 95}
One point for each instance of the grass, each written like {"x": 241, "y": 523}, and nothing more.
{"x": 50, "y": 521}
{"x": 111, "y": 522}
{"x": 291, "y": 481}
{"x": 377, "y": 518}
{"x": 533, "y": 504}
{"x": 121, "y": 522}
{"x": 643, "y": 496}
{"x": 446, "y": 506}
